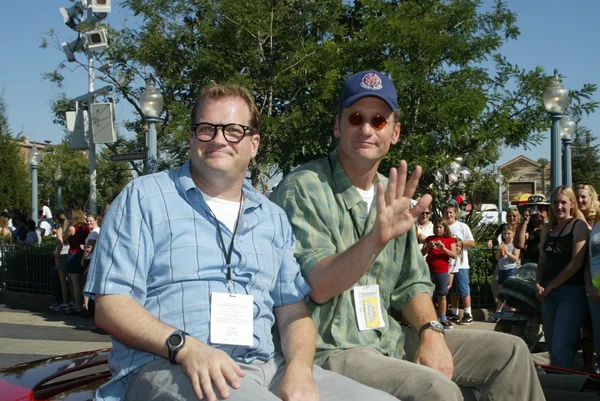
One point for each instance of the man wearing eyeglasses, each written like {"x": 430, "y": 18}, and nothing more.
{"x": 192, "y": 269}
{"x": 357, "y": 247}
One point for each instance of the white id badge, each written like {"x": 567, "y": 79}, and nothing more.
{"x": 368, "y": 307}
{"x": 231, "y": 319}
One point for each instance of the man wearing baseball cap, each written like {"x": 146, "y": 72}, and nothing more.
{"x": 356, "y": 246}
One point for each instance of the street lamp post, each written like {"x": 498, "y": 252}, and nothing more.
{"x": 151, "y": 103}
{"x": 556, "y": 99}
{"x": 58, "y": 176}
{"x": 499, "y": 179}
{"x": 567, "y": 131}
{"x": 34, "y": 160}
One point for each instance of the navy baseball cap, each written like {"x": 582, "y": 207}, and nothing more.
{"x": 369, "y": 83}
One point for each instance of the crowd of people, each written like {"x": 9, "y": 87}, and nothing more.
{"x": 75, "y": 239}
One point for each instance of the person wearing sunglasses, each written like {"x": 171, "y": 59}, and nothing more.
{"x": 357, "y": 247}
{"x": 424, "y": 227}
{"x": 197, "y": 267}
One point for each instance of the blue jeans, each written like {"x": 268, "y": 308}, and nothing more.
{"x": 595, "y": 312}
{"x": 562, "y": 317}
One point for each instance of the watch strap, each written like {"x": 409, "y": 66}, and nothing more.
{"x": 430, "y": 326}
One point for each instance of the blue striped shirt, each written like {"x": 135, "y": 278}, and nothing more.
{"x": 159, "y": 245}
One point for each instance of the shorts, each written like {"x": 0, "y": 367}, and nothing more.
{"x": 62, "y": 263}
{"x": 440, "y": 280}
{"x": 504, "y": 275}
{"x": 460, "y": 284}
{"x": 74, "y": 263}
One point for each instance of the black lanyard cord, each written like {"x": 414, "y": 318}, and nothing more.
{"x": 227, "y": 252}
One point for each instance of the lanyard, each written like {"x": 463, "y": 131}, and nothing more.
{"x": 227, "y": 252}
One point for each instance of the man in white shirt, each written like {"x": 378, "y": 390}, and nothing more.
{"x": 424, "y": 226}
{"x": 461, "y": 279}
{"x": 46, "y": 213}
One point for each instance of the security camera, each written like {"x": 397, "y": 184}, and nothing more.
{"x": 105, "y": 67}
{"x": 101, "y": 6}
{"x": 96, "y": 40}
{"x": 71, "y": 48}
{"x": 73, "y": 14}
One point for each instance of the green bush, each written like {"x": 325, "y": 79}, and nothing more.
{"x": 482, "y": 262}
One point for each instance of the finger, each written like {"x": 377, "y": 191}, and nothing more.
{"x": 196, "y": 386}
{"x": 423, "y": 203}
{"x": 380, "y": 198}
{"x": 220, "y": 383}
{"x": 206, "y": 385}
{"x": 390, "y": 191}
{"x": 231, "y": 376}
{"x": 413, "y": 182}
{"x": 402, "y": 170}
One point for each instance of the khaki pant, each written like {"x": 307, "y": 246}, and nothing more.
{"x": 161, "y": 381}
{"x": 497, "y": 364}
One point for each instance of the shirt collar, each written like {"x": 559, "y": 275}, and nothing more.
{"x": 185, "y": 183}
{"x": 345, "y": 187}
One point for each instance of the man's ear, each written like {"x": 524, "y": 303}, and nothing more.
{"x": 255, "y": 144}
{"x": 336, "y": 127}
{"x": 396, "y": 134}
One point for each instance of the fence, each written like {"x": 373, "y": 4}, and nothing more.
{"x": 26, "y": 268}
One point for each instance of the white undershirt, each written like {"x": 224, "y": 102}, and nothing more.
{"x": 225, "y": 211}
{"x": 367, "y": 195}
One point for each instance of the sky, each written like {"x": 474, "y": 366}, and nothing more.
{"x": 554, "y": 34}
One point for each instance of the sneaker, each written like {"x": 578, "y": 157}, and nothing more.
{"x": 466, "y": 319}
{"x": 447, "y": 324}
{"x": 64, "y": 308}
{"x": 491, "y": 319}
{"x": 55, "y": 307}
{"x": 451, "y": 316}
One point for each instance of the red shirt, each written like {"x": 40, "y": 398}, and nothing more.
{"x": 78, "y": 238}
{"x": 437, "y": 259}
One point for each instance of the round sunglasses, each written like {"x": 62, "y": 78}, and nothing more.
{"x": 378, "y": 122}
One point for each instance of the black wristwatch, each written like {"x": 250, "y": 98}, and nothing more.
{"x": 433, "y": 325}
{"x": 175, "y": 343}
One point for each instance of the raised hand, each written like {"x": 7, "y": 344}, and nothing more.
{"x": 394, "y": 215}
{"x": 205, "y": 366}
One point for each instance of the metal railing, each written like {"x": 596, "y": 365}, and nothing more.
{"x": 26, "y": 268}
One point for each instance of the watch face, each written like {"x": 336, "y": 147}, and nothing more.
{"x": 175, "y": 340}
{"x": 436, "y": 325}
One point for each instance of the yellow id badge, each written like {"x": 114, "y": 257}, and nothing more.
{"x": 367, "y": 305}
{"x": 372, "y": 312}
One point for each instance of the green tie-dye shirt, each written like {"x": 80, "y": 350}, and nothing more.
{"x": 321, "y": 203}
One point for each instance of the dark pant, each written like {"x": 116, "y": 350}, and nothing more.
{"x": 562, "y": 317}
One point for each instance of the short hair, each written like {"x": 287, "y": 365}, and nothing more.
{"x": 450, "y": 205}
{"x": 214, "y": 91}
{"x": 506, "y": 227}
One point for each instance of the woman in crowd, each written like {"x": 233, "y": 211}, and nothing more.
{"x": 587, "y": 202}
{"x": 5, "y": 233}
{"x": 60, "y": 259}
{"x": 93, "y": 221}
{"x": 439, "y": 248}
{"x": 592, "y": 283}
{"x": 75, "y": 235}
{"x": 560, "y": 277}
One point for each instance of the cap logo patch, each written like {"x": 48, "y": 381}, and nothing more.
{"x": 371, "y": 81}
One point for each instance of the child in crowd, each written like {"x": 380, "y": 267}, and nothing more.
{"x": 507, "y": 256}
{"x": 439, "y": 248}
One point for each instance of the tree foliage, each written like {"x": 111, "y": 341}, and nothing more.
{"x": 585, "y": 159}
{"x": 15, "y": 182}
{"x": 458, "y": 95}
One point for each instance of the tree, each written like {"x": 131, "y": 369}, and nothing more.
{"x": 458, "y": 95}
{"x": 111, "y": 177}
{"x": 15, "y": 182}
{"x": 585, "y": 158}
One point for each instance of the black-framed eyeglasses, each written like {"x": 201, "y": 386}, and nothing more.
{"x": 233, "y": 133}
{"x": 425, "y": 213}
